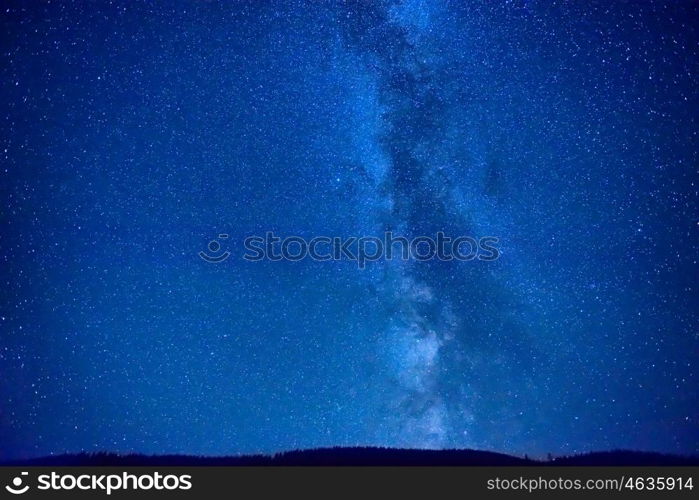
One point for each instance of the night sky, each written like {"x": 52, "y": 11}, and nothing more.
{"x": 133, "y": 133}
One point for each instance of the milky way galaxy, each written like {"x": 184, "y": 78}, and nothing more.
{"x": 134, "y": 133}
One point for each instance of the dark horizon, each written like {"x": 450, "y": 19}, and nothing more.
{"x": 363, "y": 456}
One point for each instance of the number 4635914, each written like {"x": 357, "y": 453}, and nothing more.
{"x": 659, "y": 483}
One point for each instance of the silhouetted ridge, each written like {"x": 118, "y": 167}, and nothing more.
{"x": 361, "y": 456}
{"x": 626, "y": 457}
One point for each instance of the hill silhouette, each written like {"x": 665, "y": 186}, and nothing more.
{"x": 363, "y": 456}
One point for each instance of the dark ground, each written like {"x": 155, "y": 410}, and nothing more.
{"x": 363, "y": 457}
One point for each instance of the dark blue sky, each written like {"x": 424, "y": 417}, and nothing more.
{"x": 135, "y": 132}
